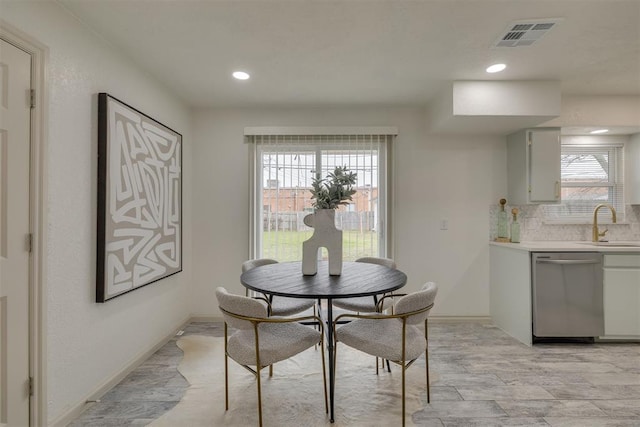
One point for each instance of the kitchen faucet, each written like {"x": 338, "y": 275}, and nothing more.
{"x": 596, "y": 232}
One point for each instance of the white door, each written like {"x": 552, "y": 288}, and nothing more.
{"x": 15, "y": 106}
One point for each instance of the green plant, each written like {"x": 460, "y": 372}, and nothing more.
{"x": 334, "y": 190}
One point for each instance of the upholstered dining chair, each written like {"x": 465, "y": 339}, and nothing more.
{"x": 261, "y": 341}
{"x": 394, "y": 337}
{"x": 279, "y": 306}
{"x": 370, "y": 304}
{"x": 364, "y": 304}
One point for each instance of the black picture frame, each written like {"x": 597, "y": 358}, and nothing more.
{"x": 139, "y": 221}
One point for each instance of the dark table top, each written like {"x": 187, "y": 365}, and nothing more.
{"x": 357, "y": 279}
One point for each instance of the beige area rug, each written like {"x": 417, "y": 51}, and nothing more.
{"x": 294, "y": 395}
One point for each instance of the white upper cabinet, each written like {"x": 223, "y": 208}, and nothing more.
{"x": 632, "y": 170}
{"x": 533, "y": 166}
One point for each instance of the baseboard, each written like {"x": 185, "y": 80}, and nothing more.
{"x": 460, "y": 319}
{"x": 206, "y": 319}
{"x": 439, "y": 319}
{"x": 109, "y": 383}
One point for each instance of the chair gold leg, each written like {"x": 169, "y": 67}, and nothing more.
{"x": 377, "y": 365}
{"x": 259, "y": 397}
{"x": 258, "y": 367}
{"x": 270, "y": 370}
{"x": 403, "y": 393}
{"x": 335, "y": 352}
{"x": 404, "y": 366}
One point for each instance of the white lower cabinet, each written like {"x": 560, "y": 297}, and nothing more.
{"x": 510, "y": 292}
{"x": 621, "y": 296}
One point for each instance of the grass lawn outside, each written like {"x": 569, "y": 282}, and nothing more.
{"x": 287, "y": 245}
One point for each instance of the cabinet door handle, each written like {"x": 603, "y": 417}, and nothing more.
{"x": 568, "y": 261}
{"x": 557, "y": 189}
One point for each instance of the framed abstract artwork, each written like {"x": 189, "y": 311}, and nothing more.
{"x": 139, "y": 199}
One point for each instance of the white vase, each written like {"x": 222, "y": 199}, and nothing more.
{"x": 325, "y": 235}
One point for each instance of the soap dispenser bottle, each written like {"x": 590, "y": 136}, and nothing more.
{"x": 503, "y": 222}
{"x": 515, "y": 227}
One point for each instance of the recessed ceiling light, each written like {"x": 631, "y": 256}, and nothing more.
{"x": 598, "y": 131}
{"x": 241, "y": 75}
{"x": 496, "y": 68}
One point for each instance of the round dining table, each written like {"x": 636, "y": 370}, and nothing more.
{"x": 358, "y": 279}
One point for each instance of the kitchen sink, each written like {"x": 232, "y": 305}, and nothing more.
{"x": 613, "y": 244}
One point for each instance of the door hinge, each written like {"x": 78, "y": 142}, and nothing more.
{"x": 30, "y": 242}
{"x": 30, "y": 386}
{"x": 32, "y": 98}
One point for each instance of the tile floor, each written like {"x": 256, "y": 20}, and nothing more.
{"x": 486, "y": 379}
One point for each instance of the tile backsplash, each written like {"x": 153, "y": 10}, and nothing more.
{"x": 533, "y": 226}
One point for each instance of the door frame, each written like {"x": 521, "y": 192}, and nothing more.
{"x": 37, "y": 219}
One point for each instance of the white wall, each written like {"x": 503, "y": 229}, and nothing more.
{"x": 88, "y": 342}
{"x": 453, "y": 178}
{"x": 598, "y": 110}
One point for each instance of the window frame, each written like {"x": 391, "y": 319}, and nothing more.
{"x": 615, "y": 183}
{"x": 383, "y": 222}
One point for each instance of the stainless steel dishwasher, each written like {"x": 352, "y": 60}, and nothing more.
{"x": 567, "y": 295}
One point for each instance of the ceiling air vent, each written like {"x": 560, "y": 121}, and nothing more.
{"x": 525, "y": 33}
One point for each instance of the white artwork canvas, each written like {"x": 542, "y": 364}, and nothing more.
{"x": 139, "y": 199}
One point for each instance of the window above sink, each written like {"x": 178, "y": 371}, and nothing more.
{"x": 591, "y": 174}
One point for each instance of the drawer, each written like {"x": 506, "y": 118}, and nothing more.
{"x": 622, "y": 261}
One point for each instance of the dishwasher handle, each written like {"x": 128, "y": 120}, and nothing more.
{"x": 567, "y": 261}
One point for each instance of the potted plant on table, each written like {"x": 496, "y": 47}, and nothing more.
{"x": 334, "y": 190}
{"x": 328, "y": 194}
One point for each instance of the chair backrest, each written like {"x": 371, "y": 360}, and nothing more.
{"x": 387, "y": 262}
{"x": 238, "y": 304}
{"x": 253, "y": 263}
{"x": 416, "y": 301}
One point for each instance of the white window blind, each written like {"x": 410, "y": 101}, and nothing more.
{"x": 590, "y": 175}
{"x": 284, "y": 166}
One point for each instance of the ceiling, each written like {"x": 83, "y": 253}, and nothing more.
{"x": 321, "y": 53}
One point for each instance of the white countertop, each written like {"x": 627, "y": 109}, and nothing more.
{"x": 561, "y": 246}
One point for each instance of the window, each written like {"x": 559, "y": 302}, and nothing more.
{"x": 284, "y": 166}
{"x": 590, "y": 175}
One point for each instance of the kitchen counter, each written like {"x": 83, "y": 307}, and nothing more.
{"x": 510, "y": 285}
{"x": 562, "y": 246}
